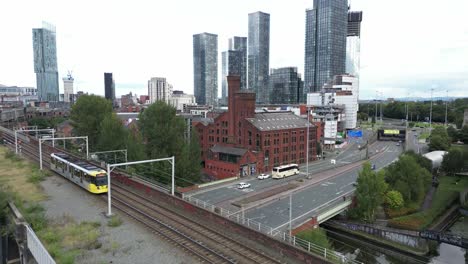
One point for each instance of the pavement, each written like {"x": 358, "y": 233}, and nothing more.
{"x": 413, "y": 142}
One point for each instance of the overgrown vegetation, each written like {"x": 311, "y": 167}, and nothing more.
{"x": 317, "y": 236}
{"x": 64, "y": 239}
{"x": 114, "y": 221}
{"x": 447, "y": 193}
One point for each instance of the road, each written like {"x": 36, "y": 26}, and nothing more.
{"x": 306, "y": 201}
{"x": 219, "y": 196}
{"x": 413, "y": 141}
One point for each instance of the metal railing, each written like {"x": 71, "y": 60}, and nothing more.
{"x": 37, "y": 249}
{"x": 238, "y": 217}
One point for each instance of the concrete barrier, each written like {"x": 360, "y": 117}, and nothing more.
{"x": 217, "y": 182}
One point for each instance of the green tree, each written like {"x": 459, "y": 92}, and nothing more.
{"x": 164, "y": 136}
{"x": 194, "y": 157}
{"x": 453, "y": 134}
{"x": 409, "y": 178}
{"x": 135, "y": 147}
{"x": 394, "y": 199}
{"x": 420, "y": 159}
{"x": 438, "y": 142}
{"x": 453, "y": 161}
{"x": 113, "y": 135}
{"x": 464, "y": 134}
{"x": 87, "y": 115}
{"x": 370, "y": 192}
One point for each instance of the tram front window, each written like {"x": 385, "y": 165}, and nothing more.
{"x": 101, "y": 180}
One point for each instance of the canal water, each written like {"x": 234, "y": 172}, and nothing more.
{"x": 367, "y": 252}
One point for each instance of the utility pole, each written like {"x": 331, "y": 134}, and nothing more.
{"x": 307, "y": 142}
{"x": 430, "y": 113}
{"x": 290, "y": 216}
{"x": 446, "y": 108}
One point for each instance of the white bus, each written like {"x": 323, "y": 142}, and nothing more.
{"x": 285, "y": 171}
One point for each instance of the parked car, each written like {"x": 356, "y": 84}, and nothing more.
{"x": 243, "y": 185}
{"x": 263, "y": 176}
{"x": 373, "y": 166}
{"x": 398, "y": 143}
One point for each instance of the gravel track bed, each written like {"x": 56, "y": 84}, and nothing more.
{"x": 127, "y": 243}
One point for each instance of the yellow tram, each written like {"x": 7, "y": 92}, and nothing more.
{"x": 82, "y": 173}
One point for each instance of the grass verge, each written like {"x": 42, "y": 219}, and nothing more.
{"x": 63, "y": 238}
{"x": 114, "y": 221}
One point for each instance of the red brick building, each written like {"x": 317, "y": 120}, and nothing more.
{"x": 240, "y": 142}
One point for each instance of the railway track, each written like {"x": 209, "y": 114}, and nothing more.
{"x": 217, "y": 241}
{"x": 204, "y": 243}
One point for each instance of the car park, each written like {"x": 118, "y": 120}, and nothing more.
{"x": 263, "y": 176}
{"x": 243, "y": 185}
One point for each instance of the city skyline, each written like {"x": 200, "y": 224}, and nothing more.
{"x": 396, "y": 56}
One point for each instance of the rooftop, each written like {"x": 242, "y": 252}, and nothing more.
{"x": 277, "y": 121}
{"x": 228, "y": 150}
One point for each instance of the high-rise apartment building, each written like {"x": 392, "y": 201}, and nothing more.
{"x": 240, "y": 44}
{"x": 285, "y": 86}
{"x": 259, "y": 55}
{"x": 109, "y": 87}
{"x": 325, "y": 43}
{"x": 45, "y": 62}
{"x": 159, "y": 90}
{"x": 231, "y": 65}
{"x": 353, "y": 43}
{"x": 205, "y": 68}
{"x": 68, "y": 95}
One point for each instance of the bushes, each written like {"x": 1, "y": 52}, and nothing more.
{"x": 444, "y": 197}
{"x": 316, "y": 236}
{"x": 394, "y": 199}
{"x": 114, "y": 221}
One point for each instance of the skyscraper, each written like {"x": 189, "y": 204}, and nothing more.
{"x": 109, "y": 87}
{"x": 159, "y": 90}
{"x": 325, "y": 43}
{"x": 45, "y": 62}
{"x": 259, "y": 55}
{"x": 205, "y": 68}
{"x": 231, "y": 65}
{"x": 240, "y": 44}
{"x": 68, "y": 88}
{"x": 353, "y": 43}
{"x": 285, "y": 86}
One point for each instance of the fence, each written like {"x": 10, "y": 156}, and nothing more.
{"x": 239, "y": 218}
{"x": 39, "y": 252}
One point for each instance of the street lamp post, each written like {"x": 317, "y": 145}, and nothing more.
{"x": 446, "y": 108}
{"x": 430, "y": 113}
{"x": 307, "y": 142}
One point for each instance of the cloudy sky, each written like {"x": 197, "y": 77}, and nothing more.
{"x": 407, "y": 46}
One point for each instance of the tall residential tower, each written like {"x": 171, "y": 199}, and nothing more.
{"x": 353, "y": 43}
{"x": 68, "y": 95}
{"x": 205, "y": 68}
{"x": 259, "y": 55}
{"x": 325, "y": 43}
{"x": 234, "y": 62}
{"x": 109, "y": 87}
{"x": 159, "y": 90}
{"x": 45, "y": 62}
